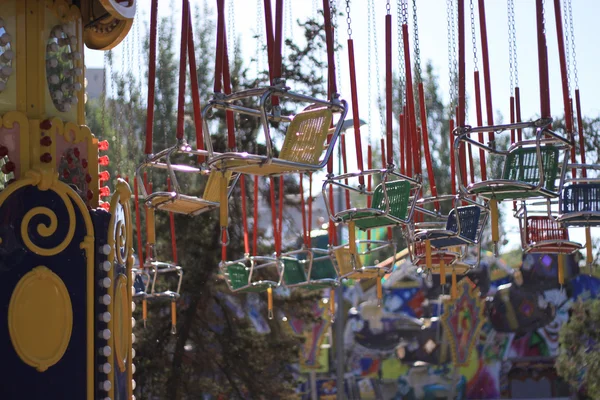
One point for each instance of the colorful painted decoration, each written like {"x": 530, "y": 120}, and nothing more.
{"x": 462, "y": 321}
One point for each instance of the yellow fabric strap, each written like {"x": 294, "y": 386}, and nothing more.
{"x": 270, "y": 301}
{"x": 379, "y": 289}
{"x": 352, "y": 237}
{"x": 561, "y": 269}
{"x": 151, "y": 231}
{"x": 454, "y": 289}
{"x": 588, "y": 246}
{"x": 173, "y": 316}
{"x": 144, "y": 311}
{"x": 495, "y": 217}
{"x": 224, "y": 203}
{"x": 428, "y": 261}
{"x": 442, "y": 272}
{"x": 332, "y": 302}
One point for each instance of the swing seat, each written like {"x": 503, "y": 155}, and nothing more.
{"x": 469, "y": 223}
{"x": 521, "y": 176}
{"x": 158, "y": 268}
{"x": 323, "y": 274}
{"x": 545, "y": 235}
{"x": 580, "y": 205}
{"x": 351, "y": 267}
{"x": 398, "y": 196}
{"x": 238, "y": 275}
{"x": 447, "y": 255}
{"x": 301, "y": 150}
{"x": 191, "y": 205}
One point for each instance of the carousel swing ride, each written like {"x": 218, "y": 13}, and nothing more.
{"x": 45, "y": 141}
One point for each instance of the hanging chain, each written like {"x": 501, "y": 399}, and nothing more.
{"x": 511, "y": 42}
{"x": 336, "y": 39}
{"x": 567, "y": 31}
{"x": 451, "y": 51}
{"x": 377, "y": 74}
{"x": 402, "y": 78}
{"x": 572, "y": 27}
{"x": 416, "y": 39}
{"x": 388, "y": 7}
{"x": 348, "y": 19}
{"x": 288, "y": 25}
{"x": 544, "y": 17}
{"x": 474, "y": 35}
{"x": 369, "y": 96}
{"x": 231, "y": 37}
{"x": 514, "y": 46}
{"x": 259, "y": 37}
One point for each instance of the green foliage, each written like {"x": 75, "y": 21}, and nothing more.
{"x": 578, "y": 361}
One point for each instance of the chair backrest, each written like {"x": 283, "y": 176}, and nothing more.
{"x": 581, "y": 197}
{"x": 469, "y": 221}
{"x": 306, "y": 135}
{"x": 293, "y": 271}
{"x": 238, "y": 275}
{"x": 323, "y": 269}
{"x": 398, "y": 193}
{"x": 344, "y": 260}
{"x": 543, "y": 228}
{"x": 521, "y": 165}
{"x": 212, "y": 190}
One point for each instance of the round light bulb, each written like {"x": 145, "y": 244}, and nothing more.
{"x": 104, "y": 317}
{"x": 105, "y": 282}
{"x": 105, "y": 299}
{"x": 105, "y": 351}
{"x": 105, "y": 334}
{"x": 105, "y": 265}
{"x": 106, "y": 385}
{"x": 105, "y": 249}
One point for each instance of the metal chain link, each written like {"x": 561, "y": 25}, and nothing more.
{"x": 288, "y": 25}
{"x": 474, "y": 34}
{"x": 380, "y": 106}
{"x": 231, "y": 36}
{"x": 388, "y": 7}
{"x": 567, "y": 31}
{"x": 369, "y": 66}
{"x": 544, "y": 17}
{"x": 259, "y": 36}
{"x": 404, "y": 11}
{"x": 402, "y": 78}
{"x": 348, "y": 19}
{"x": 511, "y": 40}
{"x": 572, "y": 26}
{"x": 338, "y": 73}
{"x": 417, "y": 48}
{"x": 514, "y": 46}
{"x": 451, "y": 50}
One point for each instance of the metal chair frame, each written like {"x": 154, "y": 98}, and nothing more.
{"x": 354, "y": 213}
{"x": 583, "y": 218}
{"x": 308, "y": 265}
{"x": 356, "y": 267}
{"x": 422, "y": 231}
{"x": 549, "y": 246}
{"x": 226, "y": 102}
{"x": 162, "y": 160}
{"x": 522, "y": 189}
{"x": 253, "y": 263}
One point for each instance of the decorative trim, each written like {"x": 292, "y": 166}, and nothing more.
{"x": 24, "y": 324}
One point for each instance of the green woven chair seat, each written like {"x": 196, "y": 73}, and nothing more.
{"x": 238, "y": 279}
{"x": 323, "y": 273}
{"x": 521, "y": 166}
{"x": 398, "y": 193}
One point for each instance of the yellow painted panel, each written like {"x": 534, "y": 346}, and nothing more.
{"x": 121, "y": 322}
{"x": 40, "y": 318}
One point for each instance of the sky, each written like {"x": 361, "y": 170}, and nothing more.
{"x": 244, "y": 17}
